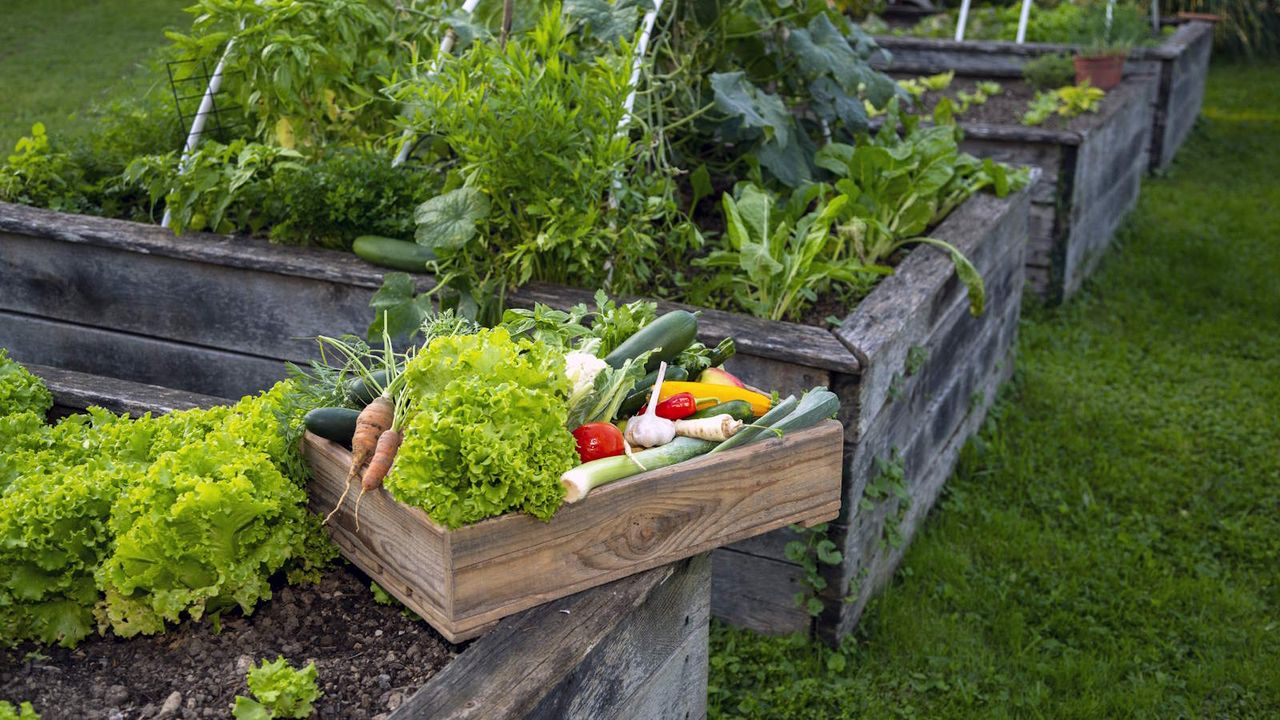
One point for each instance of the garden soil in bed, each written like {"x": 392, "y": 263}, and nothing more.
{"x": 1006, "y": 108}
{"x": 370, "y": 658}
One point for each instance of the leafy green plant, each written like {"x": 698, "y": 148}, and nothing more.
{"x": 23, "y": 711}
{"x": 347, "y": 193}
{"x": 813, "y": 550}
{"x": 900, "y": 185}
{"x": 20, "y": 391}
{"x": 778, "y": 256}
{"x": 279, "y": 691}
{"x": 1050, "y": 71}
{"x": 1097, "y": 34}
{"x": 224, "y": 189}
{"x": 918, "y": 86}
{"x": 305, "y": 73}
{"x": 468, "y": 390}
{"x": 1068, "y": 102}
{"x": 38, "y": 175}
{"x": 544, "y": 186}
{"x": 132, "y": 523}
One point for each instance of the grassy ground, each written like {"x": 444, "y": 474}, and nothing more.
{"x": 58, "y": 56}
{"x": 1111, "y": 548}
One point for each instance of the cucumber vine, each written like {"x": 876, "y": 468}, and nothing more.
{"x": 813, "y": 550}
{"x": 889, "y": 483}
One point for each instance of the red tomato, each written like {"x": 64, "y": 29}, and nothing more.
{"x": 677, "y": 407}
{"x": 598, "y": 440}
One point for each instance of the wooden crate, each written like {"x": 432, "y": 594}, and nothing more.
{"x": 464, "y": 580}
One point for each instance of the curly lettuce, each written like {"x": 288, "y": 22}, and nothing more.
{"x": 125, "y": 524}
{"x": 486, "y": 434}
{"x": 20, "y": 391}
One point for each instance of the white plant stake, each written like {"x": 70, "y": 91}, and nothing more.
{"x": 446, "y": 47}
{"x": 964, "y": 18}
{"x": 637, "y": 61}
{"x": 1023, "y": 18}
{"x": 197, "y": 124}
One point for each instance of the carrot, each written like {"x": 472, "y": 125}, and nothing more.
{"x": 372, "y": 422}
{"x": 379, "y": 466}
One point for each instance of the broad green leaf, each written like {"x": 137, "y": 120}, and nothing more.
{"x": 821, "y": 49}
{"x": 607, "y": 23}
{"x": 967, "y": 273}
{"x": 737, "y": 97}
{"x": 398, "y": 307}
{"x": 834, "y": 158}
{"x": 449, "y": 221}
{"x": 832, "y": 103}
{"x": 788, "y": 162}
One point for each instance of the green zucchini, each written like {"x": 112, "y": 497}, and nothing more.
{"x": 738, "y": 409}
{"x": 393, "y": 253}
{"x": 332, "y": 423}
{"x": 640, "y": 392}
{"x": 746, "y": 434}
{"x": 360, "y": 393}
{"x": 667, "y": 337}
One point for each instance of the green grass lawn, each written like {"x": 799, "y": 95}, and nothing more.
{"x": 1111, "y": 547}
{"x": 59, "y": 56}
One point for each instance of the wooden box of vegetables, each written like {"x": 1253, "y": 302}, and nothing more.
{"x": 487, "y": 474}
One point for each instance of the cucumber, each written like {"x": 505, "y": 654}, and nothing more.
{"x": 360, "y": 393}
{"x": 737, "y": 409}
{"x": 332, "y": 423}
{"x": 393, "y": 253}
{"x": 639, "y": 394}
{"x": 667, "y": 336}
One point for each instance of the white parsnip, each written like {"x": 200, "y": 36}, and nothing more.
{"x": 717, "y": 427}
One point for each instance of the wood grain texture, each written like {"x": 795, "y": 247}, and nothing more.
{"x": 757, "y": 593}
{"x": 77, "y": 391}
{"x": 463, "y": 580}
{"x": 531, "y": 658}
{"x": 154, "y": 361}
{"x": 634, "y": 664}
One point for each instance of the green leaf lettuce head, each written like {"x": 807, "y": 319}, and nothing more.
{"x": 22, "y": 712}
{"x": 123, "y": 524}
{"x": 280, "y": 691}
{"x": 21, "y": 391}
{"x": 487, "y": 432}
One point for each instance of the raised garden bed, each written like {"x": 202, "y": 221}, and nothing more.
{"x": 1091, "y": 173}
{"x": 638, "y": 645}
{"x": 1180, "y": 66}
{"x": 914, "y": 370}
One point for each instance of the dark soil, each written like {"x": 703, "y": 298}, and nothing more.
{"x": 370, "y": 658}
{"x": 1006, "y": 108}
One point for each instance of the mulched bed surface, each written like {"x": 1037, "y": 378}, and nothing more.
{"x": 1006, "y": 108}
{"x": 370, "y": 658}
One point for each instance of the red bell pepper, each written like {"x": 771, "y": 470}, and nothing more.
{"x": 677, "y": 407}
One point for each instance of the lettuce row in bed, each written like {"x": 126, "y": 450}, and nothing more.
{"x": 125, "y": 525}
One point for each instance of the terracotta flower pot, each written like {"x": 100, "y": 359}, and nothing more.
{"x": 1102, "y": 71}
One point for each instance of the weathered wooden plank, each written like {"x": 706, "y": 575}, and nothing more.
{"x": 77, "y": 391}
{"x": 228, "y": 251}
{"x": 469, "y": 577}
{"x": 530, "y": 656}
{"x": 670, "y": 629}
{"x": 784, "y": 378}
{"x": 959, "y": 343}
{"x": 154, "y": 361}
{"x": 244, "y": 310}
{"x": 904, "y": 308}
{"x": 840, "y": 618}
{"x": 678, "y": 690}
{"x": 757, "y": 593}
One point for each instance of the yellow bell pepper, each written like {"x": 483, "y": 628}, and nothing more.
{"x": 704, "y": 392}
